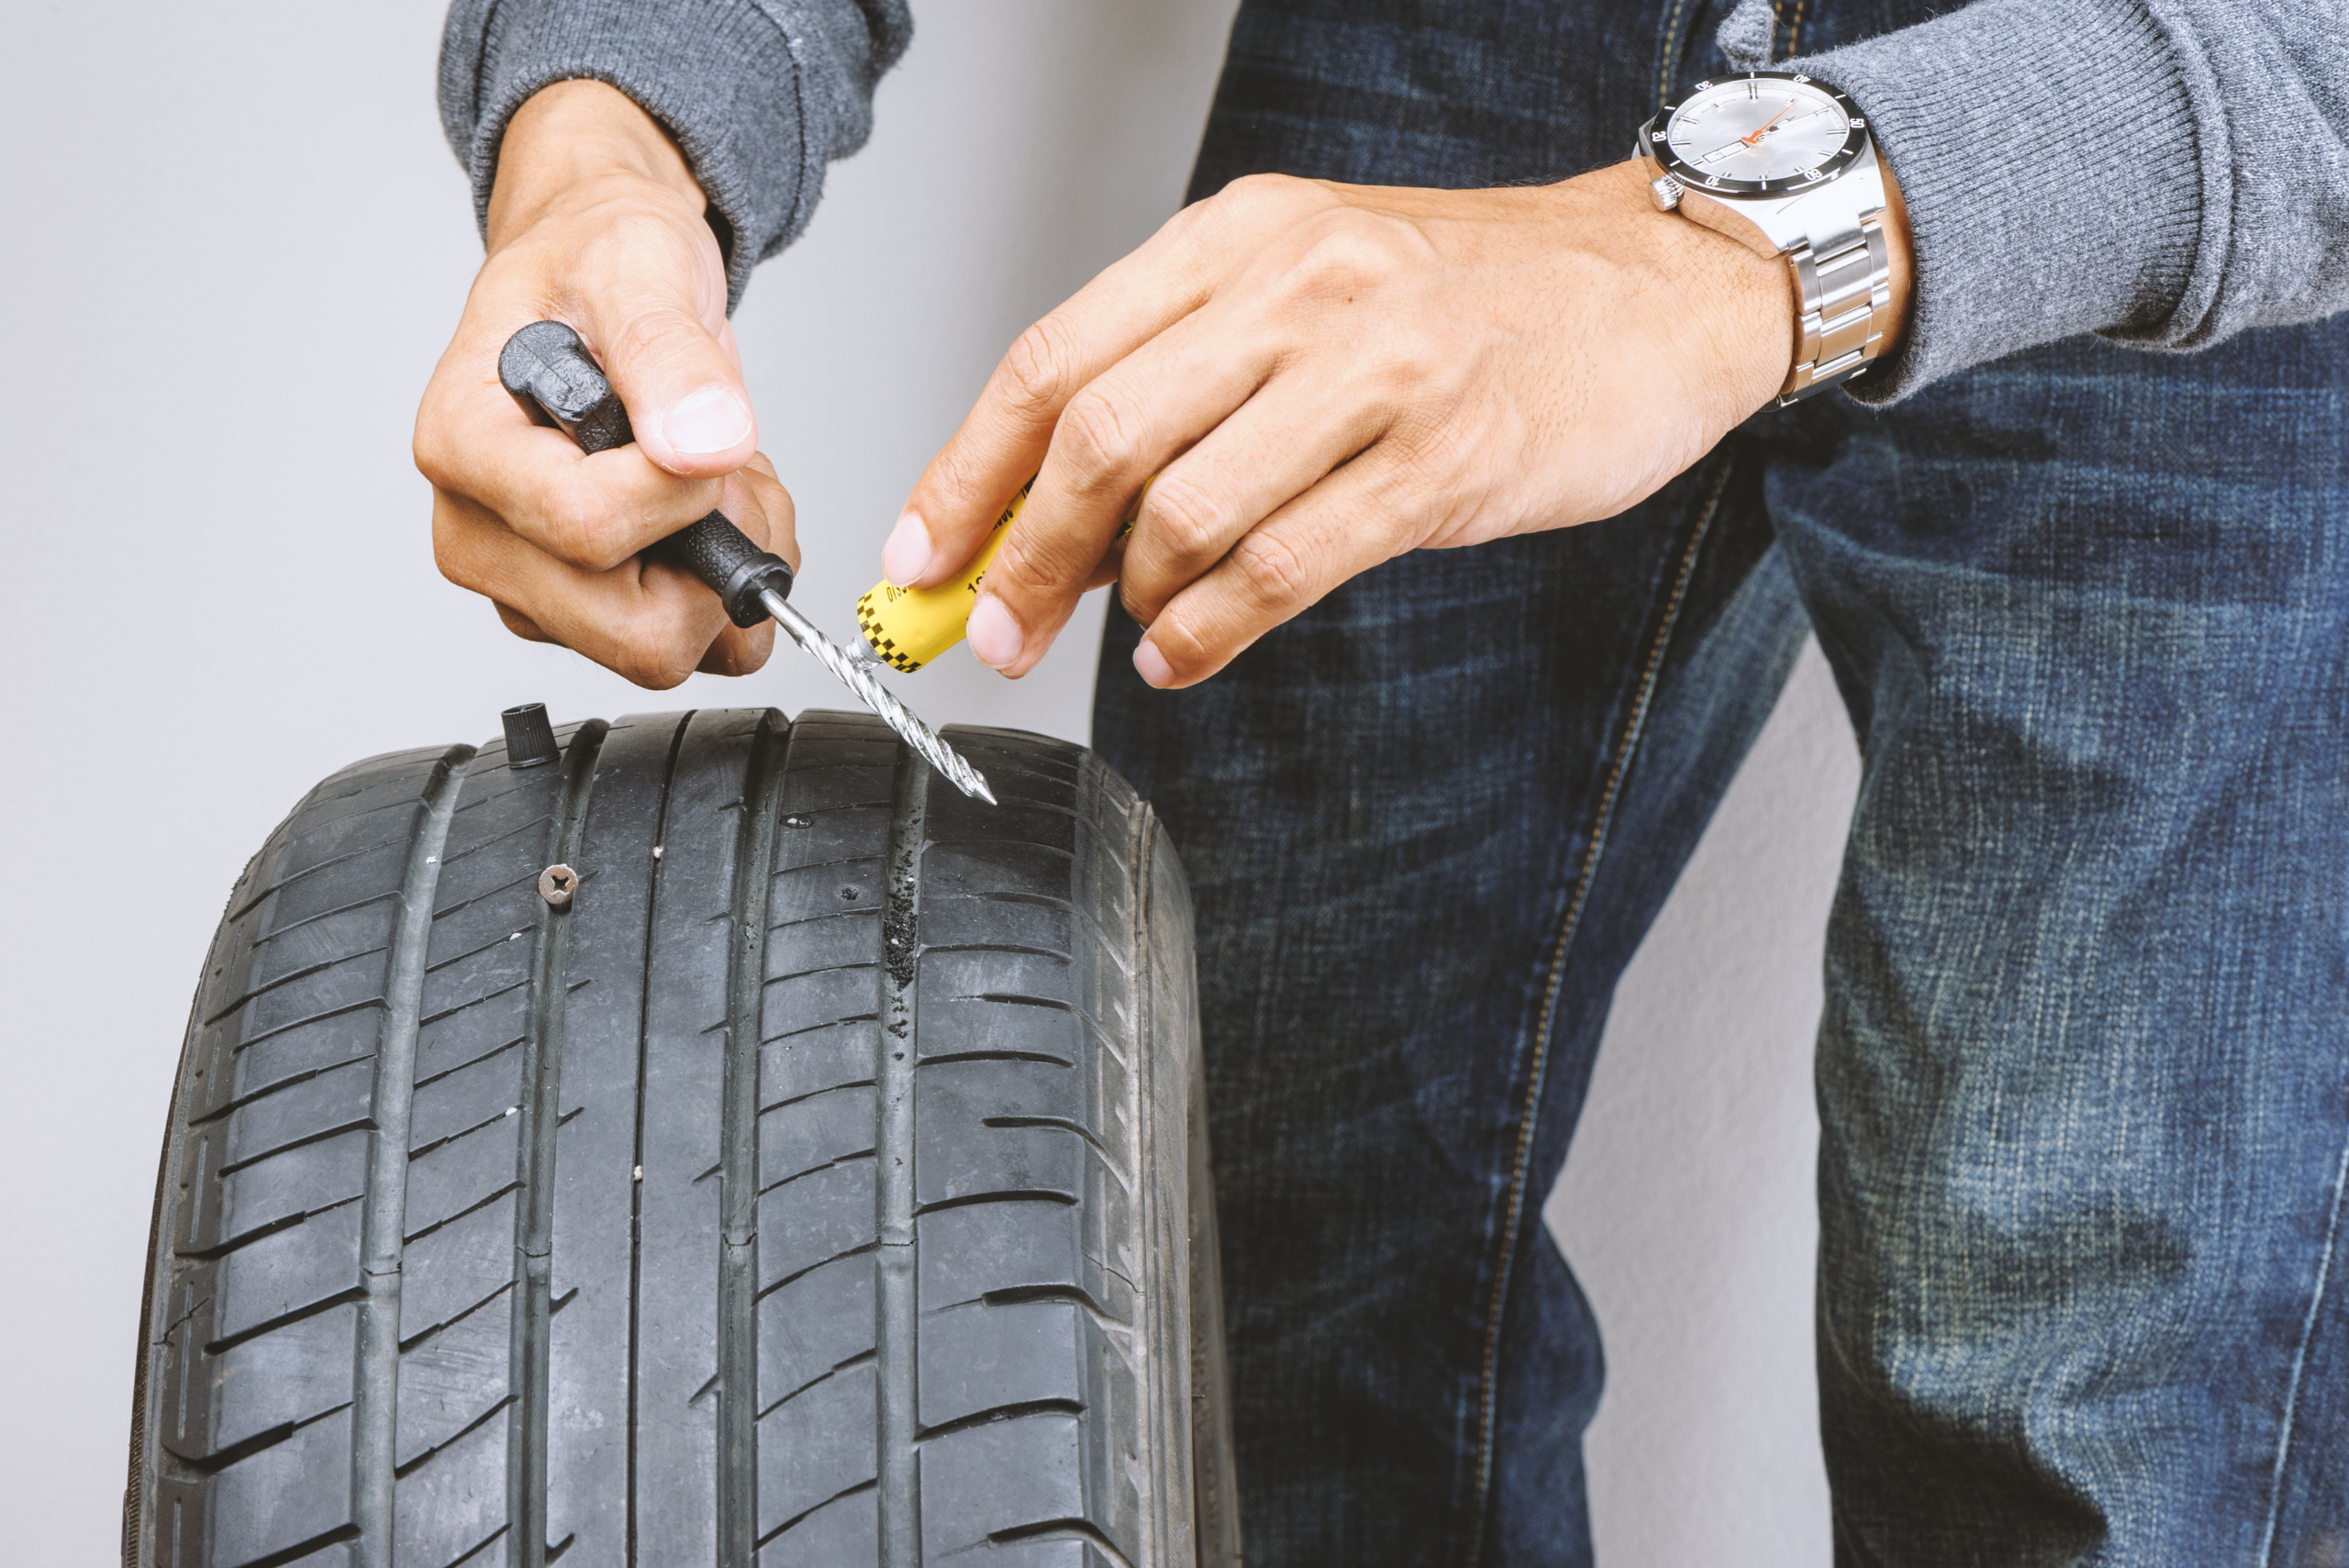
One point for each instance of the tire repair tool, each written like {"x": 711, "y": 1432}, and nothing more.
{"x": 908, "y": 627}
{"x": 550, "y": 373}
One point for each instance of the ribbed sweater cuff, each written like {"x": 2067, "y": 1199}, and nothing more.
{"x": 718, "y": 74}
{"x": 2046, "y": 152}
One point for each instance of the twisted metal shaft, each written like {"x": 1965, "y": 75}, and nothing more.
{"x": 861, "y": 679}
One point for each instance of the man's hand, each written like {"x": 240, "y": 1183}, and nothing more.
{"x": 596, "y": 221}
{"x": 1330, "y": 375}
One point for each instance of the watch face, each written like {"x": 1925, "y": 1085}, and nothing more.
{"x": 1762, "y": 134}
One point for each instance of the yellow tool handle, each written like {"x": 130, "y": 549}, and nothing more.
{"x": 908, "y": 627}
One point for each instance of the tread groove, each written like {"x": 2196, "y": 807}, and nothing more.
{"x": 828, "y": 1023}
{"x": 303, "y": 1022}
{"x": 897, "y": 1429}
{"x": 230, "y": 1107}
{"x": 483, "y": 1544}
{"x": 996, "y": 1056}
{"x": 1002, "y": 947}
{"x": 473, "y": 1208}
{"x": 988, "y": 1417}
{"x": 421, "y": 1149}
{"x": 289, "y": 978}
{"x": 493, "y": 839}
{"x": 1066, "y": 1124}
{"x": 492, "y": 892}
{"x": 527, "y": 1373}
{"x": 491, "y": 945}
{"x": 821, "y": 969}
{"x": 432, "y": 1078}
{"x": 828, "y": 1089}
{"x": 803, "y": 1274}
{"x": 737, "y": 1145}
{"x": 636, "y": 1191}
{"x": 250, "y": 904}
{"x": 1062, "y": 1529}
{"x": 227, "y": 1342}
{"x": 412, "y": 1341}
{"x": 301, "y": 1549}
{"x": 403, "y": 1472}
{"x": 475, "y": 1001}
{"x": 375, "y": 1380}
{"x": 863, "y": 1358}
{"x": 965, "y": 1200}
{"x": 804, "y": 1513}
{"x": 276, "y": 931}
{"x": 361, "y": 1123}
{"x": 858, "y": 1158}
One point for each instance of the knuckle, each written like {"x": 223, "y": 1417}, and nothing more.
{"x": 574, "y": 530}
{"x": 452, "y": 551}
{"x": 1273, "y": 575}
{"x": 1409, "y": 358}
{"x": 628, "y": 240}
{"x": 655, "y": 657}
{"x": 454, "y": 567}
{"x": 1096, "y": 435}
{"x": 656, "y": 335}
{"x": 1340, "y": 251}
{"x": 432, "y": 451}
{"x": 1021, "y": 566}
{"x": 1038, "y": 367}
{"x": 1185, "y": 517}
{"x": 1262, "y": 195}
{"x": 1344, "y": 252}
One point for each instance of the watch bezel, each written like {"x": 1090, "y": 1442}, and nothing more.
{"x": 1855, "y": 142}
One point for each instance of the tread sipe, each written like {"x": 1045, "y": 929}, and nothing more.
{"x": 818, "y": 1189}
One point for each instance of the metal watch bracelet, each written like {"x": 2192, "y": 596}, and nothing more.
{"x": 1843, "y": 300}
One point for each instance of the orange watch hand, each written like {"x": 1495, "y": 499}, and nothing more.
{"x": 1765, "y": 125}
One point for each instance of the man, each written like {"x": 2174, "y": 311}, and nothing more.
{"x": 2084, "y": 1088}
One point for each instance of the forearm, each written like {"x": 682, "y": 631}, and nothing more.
{"x": 2166, "y": 173}
{"x": 757, "y": 98}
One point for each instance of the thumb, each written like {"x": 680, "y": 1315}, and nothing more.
{"x": 680, "y": 384}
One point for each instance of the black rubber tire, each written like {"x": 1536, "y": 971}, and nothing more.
{"x": 829, "y": 1086}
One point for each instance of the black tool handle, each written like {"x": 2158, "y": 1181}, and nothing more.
{"x": 558, "y": 383}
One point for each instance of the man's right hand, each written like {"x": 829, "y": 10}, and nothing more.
{"x": 595, "y": 220}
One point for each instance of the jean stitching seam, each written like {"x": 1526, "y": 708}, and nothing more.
{"x": 1626, "y": 743}
{"x": 1668, "y": 53}
{"x": 2300, "y": 1363}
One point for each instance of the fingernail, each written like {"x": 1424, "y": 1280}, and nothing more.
{"x": 1153, "y": 666}
{"x": 995, "y": 639}
{"x": 711, "y": 420}
{"x": 907, "y": 555}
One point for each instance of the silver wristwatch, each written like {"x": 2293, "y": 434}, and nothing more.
{"x": 1785, "y": 164}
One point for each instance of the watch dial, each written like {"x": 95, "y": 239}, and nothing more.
{"x": 1757, "y": 132}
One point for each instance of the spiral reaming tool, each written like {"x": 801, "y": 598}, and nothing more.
{"x": 549, "y": 373}
{"x": 859, "y": 677}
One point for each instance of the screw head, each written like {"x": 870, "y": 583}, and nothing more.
{"x": 557, "y": 884}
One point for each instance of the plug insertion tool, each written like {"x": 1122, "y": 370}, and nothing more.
{"x": 550, "y": 373}
{"x": 908, "y": 627}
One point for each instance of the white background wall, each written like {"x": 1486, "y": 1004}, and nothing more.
{"x": 232, "y": 245}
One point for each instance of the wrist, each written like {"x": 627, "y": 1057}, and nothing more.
{"x": 1724, "y": 306}
{"x": 575, "y": 141}
{"x": 1844, "y": 296}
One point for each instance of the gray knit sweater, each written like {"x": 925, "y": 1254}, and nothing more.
{"x": 2166, "y": 173}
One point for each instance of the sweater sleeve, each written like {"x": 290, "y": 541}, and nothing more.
{"x": 760, "y": 94}
{"x": 2165, "y": 173}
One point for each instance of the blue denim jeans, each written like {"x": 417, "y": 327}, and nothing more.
{"x": 2083, "y": 1074}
